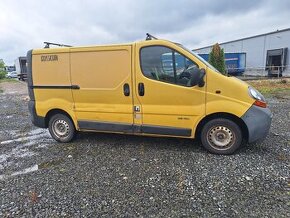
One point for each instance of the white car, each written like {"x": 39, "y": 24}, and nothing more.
{"x": 12, "y": 74}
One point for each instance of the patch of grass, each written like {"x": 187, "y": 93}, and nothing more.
{"x": 1, "y": 90}
{"x": 272, "y": 87}
{"x": 8, "y": 80}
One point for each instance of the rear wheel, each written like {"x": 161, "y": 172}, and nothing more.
{"x": 61, "y": 128}
{"x": 221, "y": 136}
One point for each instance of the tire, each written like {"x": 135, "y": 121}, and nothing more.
{"x": 61, "y": 128}
{"x": 221, "y": 136}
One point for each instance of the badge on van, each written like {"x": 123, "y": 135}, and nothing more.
{"x": 49, "y": 58}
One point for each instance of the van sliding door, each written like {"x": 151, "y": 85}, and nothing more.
{"x": 103, "y": 101}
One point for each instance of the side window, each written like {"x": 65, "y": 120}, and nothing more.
{"x": 166, "y": 65}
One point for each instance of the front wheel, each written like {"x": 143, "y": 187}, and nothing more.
{"x": 221, "y": 136}
{"x": 61, "y": 128}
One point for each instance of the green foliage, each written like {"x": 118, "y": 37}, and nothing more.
{"x": 2, "y": 75}
{"x": 2, "y": 70}
{"x": 217, "y": 58}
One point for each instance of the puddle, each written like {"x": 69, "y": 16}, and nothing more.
{"x": 30, "y": 136}
{"x": 21, "y": 172}
{"x": 13, "y": 133}
{"x": 21, "y": 150}
{"x": 26, "y": 170}
{"x": 33, "y": 168}
{"x": 17, "y": 153}
{"x": 43, "y": 146}
{"x": 19, "y": 147}
{"x": 25, "y": 154}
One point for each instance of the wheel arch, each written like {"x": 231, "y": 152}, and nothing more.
{"x": 229, "y": 116}
{"x": 52, "y": 112}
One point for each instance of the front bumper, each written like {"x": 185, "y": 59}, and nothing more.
{"x": 258, "y": 121}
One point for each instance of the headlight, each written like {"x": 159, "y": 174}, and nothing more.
{"x": 260, "y": 100}
{"x": 256, "y": 94}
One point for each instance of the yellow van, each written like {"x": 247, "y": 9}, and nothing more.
{"x": 152, "y": 87}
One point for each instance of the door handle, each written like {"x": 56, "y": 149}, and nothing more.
{"x": 141, "y": 89}
{"x": 126, "y": 89}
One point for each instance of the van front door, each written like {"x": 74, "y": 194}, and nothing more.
{"x": 103, "y": 101}
{"x": 168, "y": 103}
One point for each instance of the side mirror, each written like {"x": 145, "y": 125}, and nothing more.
{"x": 197, "y": 78}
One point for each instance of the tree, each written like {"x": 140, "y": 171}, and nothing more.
{"x": 2, "y": 69}
{"x": 217, "y": 58}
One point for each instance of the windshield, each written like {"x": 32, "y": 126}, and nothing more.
{"x": 198, "y": 57}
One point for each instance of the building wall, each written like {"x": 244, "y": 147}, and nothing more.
{"x": 256, "y": 48}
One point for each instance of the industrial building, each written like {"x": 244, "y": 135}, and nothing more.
{"x": 264, "y": 54}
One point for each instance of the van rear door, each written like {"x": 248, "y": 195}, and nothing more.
{"x": 103, "y": 101}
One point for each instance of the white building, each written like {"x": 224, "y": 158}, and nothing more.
{"x": 264, "y": 53}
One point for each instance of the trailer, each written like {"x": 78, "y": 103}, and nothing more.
{"x": 235, "y": 62}
{"x": 10, "y": 69}
{"x": 21, "y": 68}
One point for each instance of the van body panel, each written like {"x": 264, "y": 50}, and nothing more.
{"x": 51, "y": 81}
{"x": 56, "y": 72}
{"x": 101, "y": 74}
{"x": 61, "y": 100}
{"x": 226, "y": 94}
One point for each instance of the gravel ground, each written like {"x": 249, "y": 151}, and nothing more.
{"x": 128, "y": 176}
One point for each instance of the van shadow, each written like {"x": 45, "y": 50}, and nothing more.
{"x": 123, "y": 141}
{"x": 129, "y": 141}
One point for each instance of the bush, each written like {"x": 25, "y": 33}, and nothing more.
{"x": 2, "y": 74}
{"x": 217, "y": 58}
{"x": 2, "y": 69}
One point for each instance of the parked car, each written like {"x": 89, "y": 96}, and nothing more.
{"x": 12, "y": 74}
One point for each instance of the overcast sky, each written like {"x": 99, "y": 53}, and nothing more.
{"x": 194, "y": 23}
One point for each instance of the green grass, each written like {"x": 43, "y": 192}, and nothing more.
{"x": 277, "y": 88}
{"x": 273, "y": 90}
{"x": 8, "y": 80}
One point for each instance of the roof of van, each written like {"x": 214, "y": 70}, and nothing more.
{"x": 86, "y": 47}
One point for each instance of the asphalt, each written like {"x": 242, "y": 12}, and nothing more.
{"x": 110, "y": 175}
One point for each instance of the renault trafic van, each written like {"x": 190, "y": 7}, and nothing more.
{"x": 152, "y": 87}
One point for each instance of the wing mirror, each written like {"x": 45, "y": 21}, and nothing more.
{"x": 197, "y": 78}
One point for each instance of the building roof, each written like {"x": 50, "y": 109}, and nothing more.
{"x": 250, "y": 37}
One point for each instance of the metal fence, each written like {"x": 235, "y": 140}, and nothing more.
{"x": 264, "y": 73}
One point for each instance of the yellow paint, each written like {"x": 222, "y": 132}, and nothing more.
{"x": 101, "y": 72}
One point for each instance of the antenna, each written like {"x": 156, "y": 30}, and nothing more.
{"x": 149, "y": 36}
{"x": 47, "y": 44}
